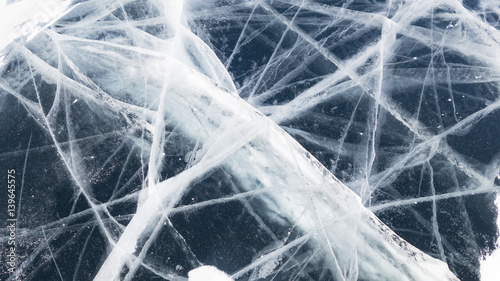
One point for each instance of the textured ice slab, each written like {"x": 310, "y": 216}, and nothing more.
{"x": 162, "y": 161}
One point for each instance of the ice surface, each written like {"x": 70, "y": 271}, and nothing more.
{"x": 273, "y": 140}
{"x": 490, "y": 264}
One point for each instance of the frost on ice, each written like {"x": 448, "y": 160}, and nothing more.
{"x": 272, "y": 140}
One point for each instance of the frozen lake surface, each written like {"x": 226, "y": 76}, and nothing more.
{"x": 270, "y": 140}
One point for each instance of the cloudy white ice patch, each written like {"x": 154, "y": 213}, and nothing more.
{"x": 24, "y": 19}
{"x": 208, "y": 273}
{"x": 489, "y": 266}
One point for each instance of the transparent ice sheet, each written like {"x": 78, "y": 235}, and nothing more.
{"x": 275, "y": 140}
